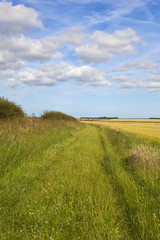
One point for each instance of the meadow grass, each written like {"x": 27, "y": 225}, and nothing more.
{"x": 53, "y": 185}
{"x": 65, "y": 180}
{"x": 137, "y": 188}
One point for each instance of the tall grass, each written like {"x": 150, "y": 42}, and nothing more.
{"x": 22, "y": 137}
{"x": 145, "y": 157}
{"x": 132, "y": 165}
{"x": 52, "y": 183}
{"x": 63, "y": 180}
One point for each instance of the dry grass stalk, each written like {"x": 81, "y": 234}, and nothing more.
{"x": 12, "y": 128}
{"x": 145, "y": 157}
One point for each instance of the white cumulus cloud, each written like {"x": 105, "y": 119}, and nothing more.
{"x": 73, "y": 35}
{"x": 125, "y": 81}
{"x": 102, "y": 46}
{"x": 18, "y": 18}
{"x": 51, "y": 74}
{"x": 16, "y": 48}
{"x": 146, "y": 65}
{"x": 151, "y": 84}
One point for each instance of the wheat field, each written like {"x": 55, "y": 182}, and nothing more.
{"x": 146, "y": 127}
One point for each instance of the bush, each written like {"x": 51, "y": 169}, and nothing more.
{"x": 9, "y": 109}
{"x": 57, "y": 116}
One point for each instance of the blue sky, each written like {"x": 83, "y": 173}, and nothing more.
{"x": 81, "y": 57}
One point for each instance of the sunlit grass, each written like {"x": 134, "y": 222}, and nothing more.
{"x": 136, "y": 185}
{"x": 53, "y": 185}
{"x": 64, "y": 180}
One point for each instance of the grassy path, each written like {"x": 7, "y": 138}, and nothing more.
{"x": 62, "y": 193}
{"x": 137, "y": 191}
{"x": 76, "y": 184}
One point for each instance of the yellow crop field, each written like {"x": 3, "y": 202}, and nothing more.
{"x": 145, "y": 127}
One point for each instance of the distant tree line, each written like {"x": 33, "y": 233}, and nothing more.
{"x": 154, "y": 118}
{"x": 93, "y": 118}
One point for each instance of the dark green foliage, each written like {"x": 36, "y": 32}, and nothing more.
{"x": 9, "y": 109}
{"x": 57, "y": 116}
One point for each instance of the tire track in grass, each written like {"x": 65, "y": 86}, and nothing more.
{"x": 72, "y": 199}
{"x": 124, "y": 188}
{"x": 80, "y": 205}
{"x": 140, "y": 218}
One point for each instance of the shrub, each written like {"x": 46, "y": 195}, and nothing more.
{"x": 57, "y": 116}
{"x": 9, "y": 109}
{"x": 145, "y": 157}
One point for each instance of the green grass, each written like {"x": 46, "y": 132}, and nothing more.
{"x": 64, "y": 180}
{"x": 137, "y": 189}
